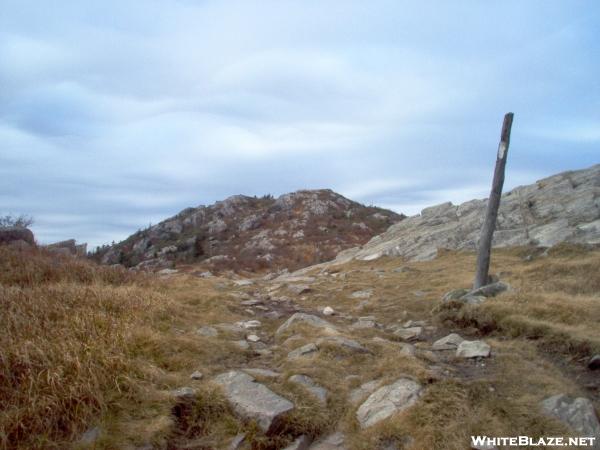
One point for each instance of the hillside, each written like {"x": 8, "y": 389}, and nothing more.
{"x": 103, "y": 358}
{"x": 248, "y": 233}
{"x": 561, "y": 208}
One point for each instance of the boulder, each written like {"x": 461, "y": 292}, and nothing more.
{"x": 450, "y": 342}
{"x": 308, "y": 319}
{"x": 388, "y": 400}
{"x": 360, "y": 393}
{"x": 408, "y": 334}
{"x": 305, "y": 350}
{"x": 253, "y": 401}
{"x": 309, "y": 384}
{"x": 473, "y": 349}
{"x": 577, "y": 413}
{"x": 13, "y": 234}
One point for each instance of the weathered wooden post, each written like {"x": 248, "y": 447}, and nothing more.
{"x": 487, "y": 231}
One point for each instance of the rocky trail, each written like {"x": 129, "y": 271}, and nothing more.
{"x": 358, "y": 361}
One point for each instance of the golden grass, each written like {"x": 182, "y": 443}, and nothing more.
{"x": 86, "y": 345}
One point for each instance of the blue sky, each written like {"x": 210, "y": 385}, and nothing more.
{"x": 117, "y": 114}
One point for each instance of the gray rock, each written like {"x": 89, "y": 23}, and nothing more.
{"x": 345, "y": 343}
{"x": 253, "y": 338}
{"x": 473, "y": 349}
{"x": 300, "y": 443}
{"x": 407, "y": 349}
{"x": 184, "y": 393}
{"x": 360, "y": 393}
{"x": 388, "y": 400}
{"x": 197, "y": 375}
{"x": 561, "y": 208}
{"x": 251, "y": 302}
{"x": 90, "y": 436}
{"x": 471, "y": 299}
{"x": 237, "y": 441}
{"x": 362, "y": 294}
{"x": 364, "y": 323}
{"x": 450, "y": 342}
{"x": 308, "y": 319}
{"x": 408, "y": 334}
{"x": 305, "y": 350}
{"x": 309, "y": 384}
{"x": 207, "y": 331}
{"x": 594, "y": 362}
{"x": 249, "y": 324}
{"x": 455, "y": 294}
{"x": 242, "y": 283}
{"x": 577, "y": 413}
{"x": 299, "y": 289}
{"x": 491, "y": 290}
{"x": 335, "y": 441}
{"x": 253, "y": 401}
{"x": 265, "y": 373}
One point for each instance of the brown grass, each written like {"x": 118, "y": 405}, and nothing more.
{"x": 87, "y": 346}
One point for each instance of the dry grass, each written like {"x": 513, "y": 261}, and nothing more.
{"x": 87, "y": 346}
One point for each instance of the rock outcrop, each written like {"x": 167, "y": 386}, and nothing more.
{"x": 68, "y": 247}
{"x": 388, "y": 400}
{"x": 577, "y": 413}
{"x": 252, "y": 400}
{"x": 561, "y": 208}
{"x": 250, "y": 233}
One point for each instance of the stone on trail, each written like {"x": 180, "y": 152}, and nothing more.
{"x": 409, "y": 334}
{"x": 197, "y": 375}
{"x": 252, "y": 338}
{"x": 253, "y": 401}
{"x": 303, "y": 351}
{"x": 360, "y": 393}
{"x": 450, "y": 342}
{"x": 387, "y": 401}
{"x": 577, "y": 413}
{"x": 309, "y": 384}
{"x": 308, "y": 319}
{"x": 207, "y": 331}
{"x": 473, "y": 349}
{"x": 328, "y": 311}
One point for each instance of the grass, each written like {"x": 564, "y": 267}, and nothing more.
{"x": 89, "y": 346}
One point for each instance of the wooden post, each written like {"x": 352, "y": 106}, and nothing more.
{"x": 487, "y": 231}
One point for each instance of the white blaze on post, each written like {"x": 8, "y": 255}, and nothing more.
{"x": 502, "y": 150}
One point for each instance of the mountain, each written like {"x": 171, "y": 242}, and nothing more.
{"x": 561, "y": 208}
{"x": 249, "y": 233}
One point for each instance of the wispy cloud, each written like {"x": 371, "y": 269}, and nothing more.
{"x": 116, "y": 114}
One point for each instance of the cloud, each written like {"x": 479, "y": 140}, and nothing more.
{"x": 115, "y": 114}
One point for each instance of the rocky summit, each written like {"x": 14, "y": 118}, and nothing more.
{"x": 561, "y": 208}
{"x": 249, "y": 233}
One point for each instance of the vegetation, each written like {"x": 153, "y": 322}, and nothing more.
{"x": 88, "y": 346}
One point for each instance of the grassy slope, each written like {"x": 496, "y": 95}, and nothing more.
{"x": 89, "y": 346}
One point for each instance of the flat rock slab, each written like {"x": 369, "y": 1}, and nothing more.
{"x": 388, "y": 400}
{"x": 253, "y": 401}
{"x": 577, "y": 413}
{"x": 360, "y": 393}
{"x": 265, "y": 373}
{"x": 308, "y": 319}
{"x": 309, "y": 384}
{"x": 473, "y": 349}
{"x": 450, "y": 342}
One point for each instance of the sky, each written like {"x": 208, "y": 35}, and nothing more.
{"x": 118, "y": 114}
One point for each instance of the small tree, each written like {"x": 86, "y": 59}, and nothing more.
{"x": 21, "y": 221}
